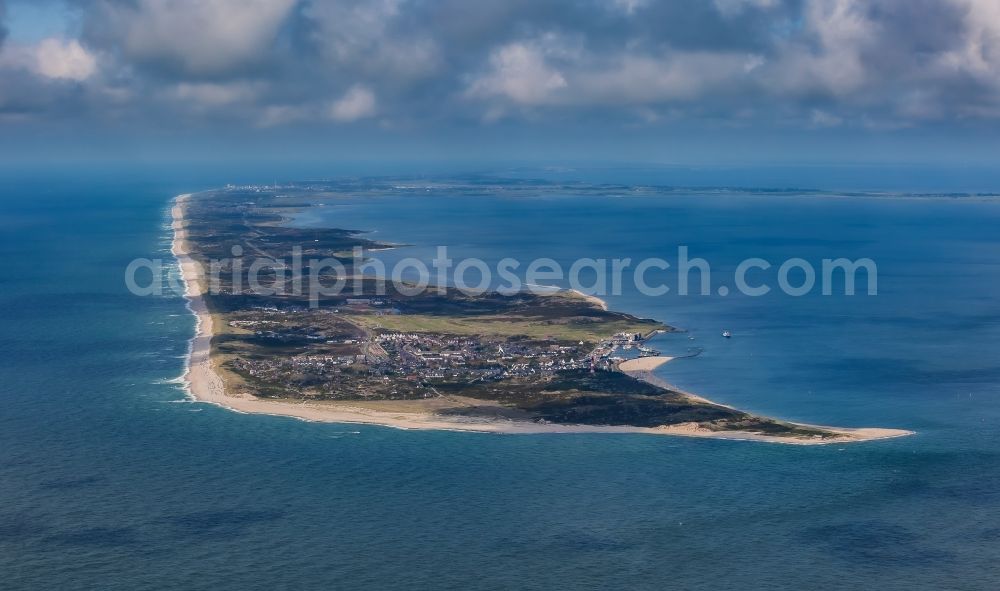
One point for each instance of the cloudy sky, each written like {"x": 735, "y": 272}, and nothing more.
{"x": 899, "y": 80}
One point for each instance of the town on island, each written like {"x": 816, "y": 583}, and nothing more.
{"x": 377, "y": 353}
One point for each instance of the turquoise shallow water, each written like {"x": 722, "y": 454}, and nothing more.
{"x": 110, "y": 480}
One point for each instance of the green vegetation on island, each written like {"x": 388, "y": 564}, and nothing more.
{"x": 545, "y": 358}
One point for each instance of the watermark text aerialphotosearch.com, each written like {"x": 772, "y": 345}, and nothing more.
{"x": 685, "y": 275}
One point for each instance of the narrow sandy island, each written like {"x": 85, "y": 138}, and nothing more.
{"x": 204, "y": 384}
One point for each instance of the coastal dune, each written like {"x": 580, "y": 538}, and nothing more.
{"x": 204, "y": 384}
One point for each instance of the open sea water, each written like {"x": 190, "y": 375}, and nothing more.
{"x": 110, "y": 479}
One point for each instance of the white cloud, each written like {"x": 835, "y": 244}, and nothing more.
{"x": 677, "y": 75}
{"x": 200, "y": 37}
{"x": 822, "y": 119}
{"x": 752, "y": 62}
{"x": 366, "y": 38}
{"x": 730, "y": 8}
{"x": 57, "y": 58}
{"x": 979, "y": 52}
{"x": 215, "y": 94}
{"x": 274, "y": 115}
{"x": 357, "y": 103}
{"x": 830, "y": 57}
{"x": 524, "y": 73}
{"x": 519, "y": 72}
{"x": 630, "y": 6}
{"x": 812, "y": 64}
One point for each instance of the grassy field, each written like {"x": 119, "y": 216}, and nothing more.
{"x": 505, "y": 326}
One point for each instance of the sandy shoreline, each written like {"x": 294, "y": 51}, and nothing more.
{"x": 643, "y": 363}
{"x": 204, "y": 384}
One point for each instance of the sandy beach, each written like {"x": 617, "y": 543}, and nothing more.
{"x": 204, "y": 384}
{"x": 643, "y": 363}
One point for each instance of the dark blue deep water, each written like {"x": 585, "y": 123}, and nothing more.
{"x": 109, "y": 479}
